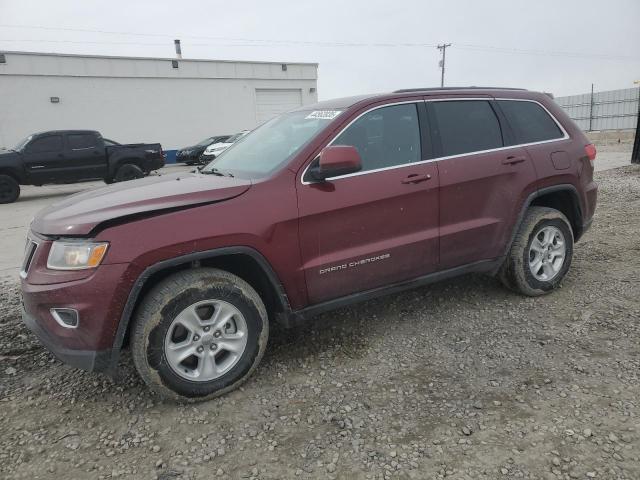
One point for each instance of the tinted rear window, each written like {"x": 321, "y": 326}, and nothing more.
{"x": 78, "y": 141}
{"x": 529, "y": 121}
{"x": 466, "y": 126}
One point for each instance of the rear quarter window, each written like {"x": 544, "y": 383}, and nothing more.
{"x": 529, "y": 121}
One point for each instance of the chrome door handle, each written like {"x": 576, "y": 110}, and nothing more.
{"x": 512, "y": 160}
{"x": 415, "y": 178}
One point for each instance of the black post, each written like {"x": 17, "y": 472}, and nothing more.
{"x": 591, "y": 110}
{"x": 635, "y": 154}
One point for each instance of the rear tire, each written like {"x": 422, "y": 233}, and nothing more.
{"x": 9, "y": 189}
{"x": 541, "y": 253}
{"x": 199, "y": 334}
{"x": 127, "y": 172}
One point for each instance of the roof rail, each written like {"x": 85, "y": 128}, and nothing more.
{"x": 429, "y": 89}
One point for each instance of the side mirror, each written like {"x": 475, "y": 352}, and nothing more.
{"x": 337, "y": 160}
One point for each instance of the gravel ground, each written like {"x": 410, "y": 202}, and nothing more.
{"x": 459, "y": 380}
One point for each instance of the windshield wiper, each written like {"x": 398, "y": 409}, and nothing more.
{"x": 215, "y": 171}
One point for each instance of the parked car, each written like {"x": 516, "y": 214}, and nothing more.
{"x": 334, "y": 203}
{"x": 212, "y": 151}
{"x": 191, "y": 155}
{"x": 71, "y": 156}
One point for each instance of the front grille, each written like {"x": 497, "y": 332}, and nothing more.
{"x": 29, "y": 251}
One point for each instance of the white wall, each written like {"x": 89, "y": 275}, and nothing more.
{"x": 176, "y": 113}
{"x": 138, "y": 100}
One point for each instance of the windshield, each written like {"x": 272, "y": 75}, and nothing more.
{"x": 205, "y": 142}
{"x": 22, "y": 143}
{"x": 271, "y": 145}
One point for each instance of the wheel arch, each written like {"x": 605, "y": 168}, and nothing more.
{"x": 118, "y": 162}
{"x": 10, "y": 172}
{"x": 553, "y": 197}
{"x": 564, "y": 200}
{"x": 245, "y": 262}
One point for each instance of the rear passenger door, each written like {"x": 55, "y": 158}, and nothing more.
{"x": 483, "y": 181}
{"x": 85, "y": 156}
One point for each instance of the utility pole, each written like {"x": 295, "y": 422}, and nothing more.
{"x": 443, "y": 49}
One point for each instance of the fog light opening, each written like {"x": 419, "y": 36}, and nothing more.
{"x": 66, "y": 317}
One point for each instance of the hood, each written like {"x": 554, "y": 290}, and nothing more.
{"x": 7, "y": 154}
{"x": 80, "y": 214}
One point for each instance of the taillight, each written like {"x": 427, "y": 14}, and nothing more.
{"x": 590, "y": 150}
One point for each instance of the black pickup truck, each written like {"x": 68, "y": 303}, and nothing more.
{"x": 70, "y": 156}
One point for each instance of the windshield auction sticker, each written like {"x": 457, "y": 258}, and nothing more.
{"x": 324, "y": 114}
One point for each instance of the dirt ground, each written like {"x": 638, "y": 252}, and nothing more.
{"x": 462, "y": 380}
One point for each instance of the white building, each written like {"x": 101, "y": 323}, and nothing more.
{"x": 176, "y": 102}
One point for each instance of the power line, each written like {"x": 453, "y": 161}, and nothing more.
{"x": 234, "y": 39}
{"x": 253, "y": 42}
{"x": 549, "y": 53}
{"x": 263, "y": 45}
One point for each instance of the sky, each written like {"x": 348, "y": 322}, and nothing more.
{"x": 362, "y": 46}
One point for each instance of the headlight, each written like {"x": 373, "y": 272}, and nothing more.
{"x": 68, "y": 255}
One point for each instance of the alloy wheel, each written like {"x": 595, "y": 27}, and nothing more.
{"x": 547, "y": 253}
{"x": 206, "y": 340}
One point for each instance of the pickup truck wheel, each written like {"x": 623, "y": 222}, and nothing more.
{"x": 9, "y": 189}
{"x": 199, "y": 334}
{"x": 541, "y": 253}
{"x": 127, "y": 172}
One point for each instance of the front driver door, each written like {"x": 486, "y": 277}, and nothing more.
{"x": 44, "y": 159}
{"x": 378, "y": 226}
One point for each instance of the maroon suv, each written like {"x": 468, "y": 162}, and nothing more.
{"x": 330, "y": 204}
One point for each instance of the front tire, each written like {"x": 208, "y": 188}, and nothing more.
{"x": 9, "y": 189}
{"x": 541, "y": 253}
{"x": 199, "y": 334}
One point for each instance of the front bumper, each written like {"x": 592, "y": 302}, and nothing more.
{"x": 91, "y": 360}
{"x": 99, "y": 300}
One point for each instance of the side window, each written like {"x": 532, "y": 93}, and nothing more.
{"x": 50, "y": 143}
{"x": 466, "y": 126}
{"x": 79, "y": 141}
{"x": 530, "y": 122}
{"x": 385, "y": 137}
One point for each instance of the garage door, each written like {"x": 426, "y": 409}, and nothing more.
{"x": 271, "y": 102}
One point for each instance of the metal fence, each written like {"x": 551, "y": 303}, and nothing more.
{"x": 610, "y": 110}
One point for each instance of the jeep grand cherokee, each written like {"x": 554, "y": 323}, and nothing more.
{"x": 329, "y": 204}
